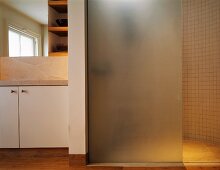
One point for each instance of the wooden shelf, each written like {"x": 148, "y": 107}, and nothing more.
{"x": 60, "y": 31}
{"x": 59, "y": 6}
{"x": 58, "y": 54}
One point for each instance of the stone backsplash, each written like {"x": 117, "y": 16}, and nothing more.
{"x": 34, "y": 68}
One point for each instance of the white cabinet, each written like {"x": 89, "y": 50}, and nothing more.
{"x": 43, "y": 116}
{"x": 33, "y": 117}
{"x": 9, "y": 130}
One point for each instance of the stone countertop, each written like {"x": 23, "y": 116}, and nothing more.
{"x": 33, "y": 82}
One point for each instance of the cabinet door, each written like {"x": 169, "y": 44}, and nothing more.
{"x": 43, "y": 116}
{"x": 9, "y": 131}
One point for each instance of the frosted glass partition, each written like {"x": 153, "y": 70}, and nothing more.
{"x": 134, "y": 70}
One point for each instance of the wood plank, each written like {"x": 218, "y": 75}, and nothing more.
{"x": 78, "y": 159}
{"x": 59, "y": 6}
{"x": 60, "y": 31}
{"x": 57, "y": 3}
{"x": 16, "y": 159}
{"x": 58, "y": 54}
{"x": 58, "y": 159}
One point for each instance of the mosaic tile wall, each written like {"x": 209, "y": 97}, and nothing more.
{"x": 201, "y": 70}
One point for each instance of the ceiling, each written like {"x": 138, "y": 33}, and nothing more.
{"x": 36, "y": 9}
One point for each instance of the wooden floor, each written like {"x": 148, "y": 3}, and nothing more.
{"x": 25, "y": 159}
{"x": 58, "y": 159}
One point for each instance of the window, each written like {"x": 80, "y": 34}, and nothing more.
{"x": 22, "y": 43}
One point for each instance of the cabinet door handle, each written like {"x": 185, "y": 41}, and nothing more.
{"x": 24, "y": 91}
{"x": 13, "y": 91}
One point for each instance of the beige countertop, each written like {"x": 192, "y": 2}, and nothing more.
{"x": 33, "y": 82}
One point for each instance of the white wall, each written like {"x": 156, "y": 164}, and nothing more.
{"x": 77, "y": 74}
{"x": 11, "y": 16}
{"x": 44, "y": 40}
